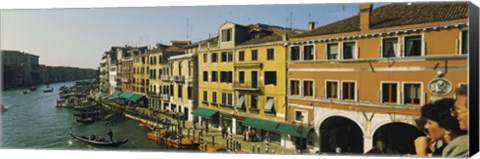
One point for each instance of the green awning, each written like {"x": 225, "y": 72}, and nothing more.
{"x": 117, "y": 93}
{"x": 293, "y": 130}
{"x": 261, "y": 124}
{"x": 126, "y": 95}
{"x": 204, "y": 112}
{"x": 135, "y": 97}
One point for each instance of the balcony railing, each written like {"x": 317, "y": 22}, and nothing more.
{"x": 247, "y": 86}
{"x": 153, "y": 94}
{"x": 165, "y": 78}
{"x": 179, "y": 78}
{"x": 165, "y": 97}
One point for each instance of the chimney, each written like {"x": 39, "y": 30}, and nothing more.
{"x": 311, "y": 26}
{"x": 365, "y": 11}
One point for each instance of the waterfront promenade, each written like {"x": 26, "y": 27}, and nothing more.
{"x": 221, "y": 143}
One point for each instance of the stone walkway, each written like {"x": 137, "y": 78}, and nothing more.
{"x": 246, "y": 146}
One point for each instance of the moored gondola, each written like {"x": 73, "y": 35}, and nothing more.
{"x": 98, "y": 141}
{"x": 85, "y": 120}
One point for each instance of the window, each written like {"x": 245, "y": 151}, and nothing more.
{"x": 180, "y": 91}
{"x": 229, "y": 77}
{"x": 214, "y": 97}
{"x": 241, "y": 77}
{"x": 270, "y": 54}
{"x": 241, "y": 56}
{"x": 332, "y": 89}
{"x": 269, "y": 106}
{"x": 300, "y": 115}
{"x": 214, "y": 57}
{"x": 389, "y": 47}
{"x": 348, "y": 50}
{"x": 205, "y": 58}
{"x": 308, "y": 52}
{"x": 189, "y": 93}
{"x": 226, "y": 35}
{"x": 413, "y": 46}
{"x": 348, "y": 89}
{"x": 295, "y": 87}
{"x": 254, "y": 55}
{"x": 465, "y": 40}
{"x": 294, "y": 53}
{"x": 270, "y": 77}
{"x": 229, "y": 99}
{"x": 205, "y": 76}
{"x": 214, "y": 76}
{"x": 332, "y": 51}
{"x": 253, "y": 102}
{"x": 171, "y": 90}
{"x": 412, "y": 93}
{"x": 224, "y": 57}
{"x": 308, "y": 88}
{"x": 229, "y": 57}
{"x": 389, "y": 93}
{"x": 224, "y": 99}
{"x": 223, "y": 76}
{"x": 205, "y": 96}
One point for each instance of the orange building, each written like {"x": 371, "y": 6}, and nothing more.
{"x": 365, "y": 78}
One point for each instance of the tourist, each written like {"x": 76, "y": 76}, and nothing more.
{"x": 459, "y": 146}
{"x": 440, "y": 125}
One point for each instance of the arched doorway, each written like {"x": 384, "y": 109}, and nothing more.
{"x": 341, "y": 132}
{"x": 398, "y": 138}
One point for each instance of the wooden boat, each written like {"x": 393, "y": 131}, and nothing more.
{"x": 25, "y": 91}
{"x": 148, "y": 126}
{"x": 180, "y": 141}
{"x": 159, "y": 135}
{"x": 48, "y": 90}
{"x": 33, "y": 88}
{"x": 85, "y": 120}
{"x": 98, "y": 141}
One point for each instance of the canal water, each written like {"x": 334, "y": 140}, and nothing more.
{"x": 33, "y": 122}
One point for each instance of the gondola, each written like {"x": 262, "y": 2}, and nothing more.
{"x": 48, "y": 90}
{"x": 98, "y": 141}
{"x": 85, "y": 120}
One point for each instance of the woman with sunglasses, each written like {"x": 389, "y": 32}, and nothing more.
{"x": 441, "y": 128}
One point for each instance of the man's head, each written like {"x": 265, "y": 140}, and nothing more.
{"x": 460, "y": 110}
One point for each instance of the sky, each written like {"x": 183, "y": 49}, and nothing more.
{"x": 78, "y": 37}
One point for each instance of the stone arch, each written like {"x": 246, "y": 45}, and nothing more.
{"x": 398, "y": 137}
{"x": 339, "y": 131}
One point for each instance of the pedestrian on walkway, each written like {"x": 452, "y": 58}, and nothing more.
{"x": 266, "y": 148}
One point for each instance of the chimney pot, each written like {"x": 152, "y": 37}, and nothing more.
{"x": 311, "y": 26}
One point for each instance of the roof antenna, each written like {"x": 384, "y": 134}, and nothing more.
{"x": 187, "y": 28}
{"x": 291, "y": 20}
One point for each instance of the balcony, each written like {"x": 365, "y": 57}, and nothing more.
{"x": 254, "y": 110}
{"x": 179, "y": 78}
{"x": 247, "y": 86}
{"x": 190, "y": 79}
{"x": 153, "y": 94}
{"x": 165, "y": 78}
{"x": 248, "y": 65}
{"x": 165, "y": 97}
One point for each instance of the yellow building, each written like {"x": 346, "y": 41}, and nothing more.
{"x": 241, "y": 76}
{"x": 365, "y": 78}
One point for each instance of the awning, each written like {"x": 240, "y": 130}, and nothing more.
{"x": 204, "y": 112}
{"x": 117, "y": 93}
{"x": 240, "y": 102}
{"x": 135, "y": 97}
{"x": 269, "y": 105}
{"x": 126, "y": 95}
{"x": 261, "y": 124}
{"x": 294, "y": 130}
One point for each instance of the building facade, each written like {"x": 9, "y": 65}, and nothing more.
{"x": 365, "y": 78}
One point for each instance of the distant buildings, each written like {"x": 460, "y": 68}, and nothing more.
{"x": 20, "y": 69}
{"x": 342, "y": 85}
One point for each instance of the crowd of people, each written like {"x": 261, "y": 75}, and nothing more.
{"x": 446, "y": 126}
